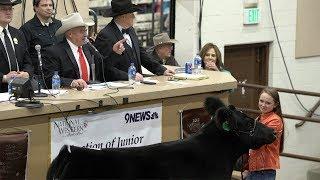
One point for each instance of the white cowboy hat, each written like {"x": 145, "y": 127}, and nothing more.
{"x": 71, "y": 21}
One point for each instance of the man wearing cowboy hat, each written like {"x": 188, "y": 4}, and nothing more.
{"x": 40, "y": 30}
{"x": 162, "y": 49}
{"x": 14, "y": 57}
{"x": 121, "y": 27}
{"x": 72, "y": 58}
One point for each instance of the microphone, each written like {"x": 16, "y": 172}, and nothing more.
{"x": 86, "y": 41}
{"x": 93, "y": 67}
{"x": 38, "y": 48}
{"x": 39, "y": 93}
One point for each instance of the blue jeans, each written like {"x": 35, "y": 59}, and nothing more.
{"x": 262, "y": 175}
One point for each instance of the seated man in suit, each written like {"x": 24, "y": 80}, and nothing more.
{"x": 14, "y": 57}
{"x": 121, "y": 27}
{"x": 162, "y": 48}
{"x": 73, "y": 59}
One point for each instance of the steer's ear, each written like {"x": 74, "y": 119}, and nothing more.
{"x": 212, "y": 104}
{"x": 222, "y": 119}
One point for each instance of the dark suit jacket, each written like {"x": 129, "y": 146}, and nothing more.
{"x": 60, "y": 58}
{"x": 22, "y": 56}
{"x": 111, "y": 34}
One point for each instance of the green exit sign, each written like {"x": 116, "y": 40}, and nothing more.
{"x": 251, "y": 16}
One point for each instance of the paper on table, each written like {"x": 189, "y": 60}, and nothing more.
{"x": 106, "y": 85}
{"x": 178, "y": 82}
{"x": 190, "y": 76}
{"x": 150, "y": 80}
{"x": 4, "y": 97}
{"x": 146, "y": 72}
{"x": 117, "y": 84}
{"x": 50, "y": 91}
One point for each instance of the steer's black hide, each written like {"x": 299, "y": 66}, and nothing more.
{"x": 209, "y": 154}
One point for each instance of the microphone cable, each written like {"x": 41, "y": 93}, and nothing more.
{"x": 86, "y": 41}
{"x": 284, "y": 61}
{"x": 200, "y": 23}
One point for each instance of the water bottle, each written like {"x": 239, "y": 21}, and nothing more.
{"x": 132, "y": 74}
{"x": 10, "y": 85}
{"x": 56, "y": 83}
{"x": 197, "y": 64}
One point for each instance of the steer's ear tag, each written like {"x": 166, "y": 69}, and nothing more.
{"x": 225, "y": 126}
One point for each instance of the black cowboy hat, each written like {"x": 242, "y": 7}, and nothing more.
{"x": 119, "y": 7}
{"x": 10, "y": 2}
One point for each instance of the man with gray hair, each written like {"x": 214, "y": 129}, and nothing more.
{"x": 73, "y": 58}
{"x": 161, "y": 51}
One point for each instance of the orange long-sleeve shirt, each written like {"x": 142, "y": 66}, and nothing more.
{"x": 267, "y": 156}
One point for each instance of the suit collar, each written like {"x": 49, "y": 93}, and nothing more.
{"x": 69, "y": 52}
{"x": 119, "y": 26}
{"x": 119, "y": 35}
{"x": 1, "y": 28}
{"x": 116, "y": 30}
{"x": 2, "y": 45}
{"x": 88, "y": 55}
{"x": 3, "y": 50}
{"x": 67, "y": 45}
{"x": 14, "y": 39}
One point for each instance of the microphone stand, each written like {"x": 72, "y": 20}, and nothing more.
{"x": 93, "y": 72}
{"x": 100, "y": 57}
{"x": 39, "y": 93}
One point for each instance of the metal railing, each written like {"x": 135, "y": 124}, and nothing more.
{"x": 307, "y": 118}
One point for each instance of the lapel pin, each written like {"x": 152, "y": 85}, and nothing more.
{"x": 15, "y": 40}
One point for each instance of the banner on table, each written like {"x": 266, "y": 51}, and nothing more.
{"x": 130, "y": 127}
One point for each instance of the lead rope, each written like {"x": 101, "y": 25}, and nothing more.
{"x": 242, "y": 169}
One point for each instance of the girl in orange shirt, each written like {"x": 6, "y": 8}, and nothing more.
{"x": 264, "y": 161}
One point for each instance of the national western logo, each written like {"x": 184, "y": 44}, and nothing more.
{"x": 71, "y": 127}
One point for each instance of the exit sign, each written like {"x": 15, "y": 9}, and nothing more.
{"x": 251, "y": 15}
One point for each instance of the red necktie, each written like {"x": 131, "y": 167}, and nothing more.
{"x": 83, "y": 65}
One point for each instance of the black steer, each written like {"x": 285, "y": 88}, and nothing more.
{"x": 209, "y": 154}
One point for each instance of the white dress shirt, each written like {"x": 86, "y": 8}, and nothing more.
{"x": 126, "y": 36}
{"x": 76, "y": 54}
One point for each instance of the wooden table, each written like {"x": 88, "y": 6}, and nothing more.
{"x": 182, "y": 95}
